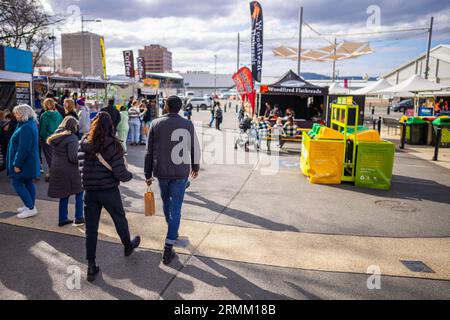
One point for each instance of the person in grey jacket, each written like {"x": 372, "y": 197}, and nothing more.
{"x": 65, "y": 178}
{"x": 173, "y": 154}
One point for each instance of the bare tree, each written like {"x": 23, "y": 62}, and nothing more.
{"x": 24, "y": 24}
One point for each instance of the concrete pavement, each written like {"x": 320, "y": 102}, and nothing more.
{"x": 246, "y": 226}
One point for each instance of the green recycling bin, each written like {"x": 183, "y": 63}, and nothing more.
{"x": 374, "y": 165}
{"x": 314, "y": 130}
{"x": 416, "y": 131}
{"x": 444, "y": 123}
{"x": 352, "y": 130}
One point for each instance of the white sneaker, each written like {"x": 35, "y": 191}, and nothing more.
{"x": 27, "y": 213}
{"x": 21, "y": 209}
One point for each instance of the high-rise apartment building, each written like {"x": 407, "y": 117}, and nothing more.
{"x": 72, "y": 53}
{"x": 157, "y": 58}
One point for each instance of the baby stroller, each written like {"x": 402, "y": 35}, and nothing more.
{"x": 248, "y": 135}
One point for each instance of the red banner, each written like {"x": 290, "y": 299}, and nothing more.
{"x": 244, "y": 85}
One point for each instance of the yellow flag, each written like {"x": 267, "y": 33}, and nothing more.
{"x": 102, "y": 47}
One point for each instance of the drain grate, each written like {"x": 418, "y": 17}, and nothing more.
{"x": 417, "y": 266}
{"x": 394, "y": 205}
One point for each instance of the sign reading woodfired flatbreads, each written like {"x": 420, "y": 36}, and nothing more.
{"x": 257, "y": 39}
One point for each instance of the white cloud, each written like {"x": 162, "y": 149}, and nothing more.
{"x": 197, "y": 30}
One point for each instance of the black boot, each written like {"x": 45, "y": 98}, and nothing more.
{"x": 134, "y": 244}
{"x": 169, "y": 254}
{"x": 80, "y": 221}
{"x": 93, "y": 269}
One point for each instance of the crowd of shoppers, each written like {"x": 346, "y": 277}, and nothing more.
{"x": 86, "y": 154}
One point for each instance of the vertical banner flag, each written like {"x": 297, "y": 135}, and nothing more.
{"x": 128, "y": 60}
{"x": 257, "y": 39}
{"x": 141, "y": 68}
{"x": 244, "y": 85}
{"x": 103, "y": 52}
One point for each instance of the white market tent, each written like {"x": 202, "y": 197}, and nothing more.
{"x": 336, "y": 89}
{"x": 373, "y": 88}
{"x": 414, "y": 84}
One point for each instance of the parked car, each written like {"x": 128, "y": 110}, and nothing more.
{"x": 200, "y": 102}
{"x": 402, "y": 105}
{"x": 228, "y": 95}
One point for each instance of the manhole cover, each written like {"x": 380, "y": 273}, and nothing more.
{"x": 395, "y": 205}
{"x": 417, "y": 266}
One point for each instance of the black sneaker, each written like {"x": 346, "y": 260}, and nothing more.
{"x": 65, "y": 223}
{"x": 134, "y": 244}
{"x": 80, "y": 221}
{"x": 168, "y": 254}
{"x": 92, "y": 272}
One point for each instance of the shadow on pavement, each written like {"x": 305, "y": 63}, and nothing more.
{"x": 308, "y": 295}
{"x": 232, "y": 281}
{"x": 407, "y": 188}
{"x": 238, "y": 214}
{"x": 44, "y": 275}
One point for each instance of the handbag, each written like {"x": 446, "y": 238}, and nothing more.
{"x": 149, "y": 202}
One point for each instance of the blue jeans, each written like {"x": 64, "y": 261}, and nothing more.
{"x": 26, "y": 191}
{"x": 212, "y": 120}
{"x": 64, "y": 206}
{"x": 172, "y": 194}
{"x": 135, "y": 130}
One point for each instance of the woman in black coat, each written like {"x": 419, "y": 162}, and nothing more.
{"x": 103, "y": 167}
{"x": 65, "y": 178}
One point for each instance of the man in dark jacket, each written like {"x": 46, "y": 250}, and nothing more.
{"x": 173, "y": 153}
{"x": 113, "y": 112}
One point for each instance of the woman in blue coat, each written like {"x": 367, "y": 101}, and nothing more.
{"x": 23, "y": 159}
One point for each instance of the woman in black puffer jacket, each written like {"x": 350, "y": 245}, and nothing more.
{"x": 102, "y": 166}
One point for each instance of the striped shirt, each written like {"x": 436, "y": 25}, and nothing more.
{"x": 134, "y": 113}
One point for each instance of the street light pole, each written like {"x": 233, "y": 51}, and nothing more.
{"x": 53, "y": 38}
{"x": 215, "y": 74}
{"x": 82, "y": 55}
{"x": 238, "y": 51}
{"x": 300, "y": 41}
{"x": 334, "y": 60}
{"x": 430, "y": 34}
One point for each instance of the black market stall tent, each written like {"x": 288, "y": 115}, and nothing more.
{"x": 292, "y": 91}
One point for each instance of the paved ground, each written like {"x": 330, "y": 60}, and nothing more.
{"x": 252, "y": 235}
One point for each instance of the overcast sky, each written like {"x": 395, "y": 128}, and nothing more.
{"x": 197, "y": 30}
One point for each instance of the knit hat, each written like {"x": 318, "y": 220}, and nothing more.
{"x": 81, "y": 102}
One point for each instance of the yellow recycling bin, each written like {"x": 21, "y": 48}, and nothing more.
{"x": 366, "y": 136}
{"x": 321, "y": 160}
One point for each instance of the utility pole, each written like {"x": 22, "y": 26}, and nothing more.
{"x": 334, "y": 60}
{"x": 300, "y": 40}
{"x": 430, "y": 34}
